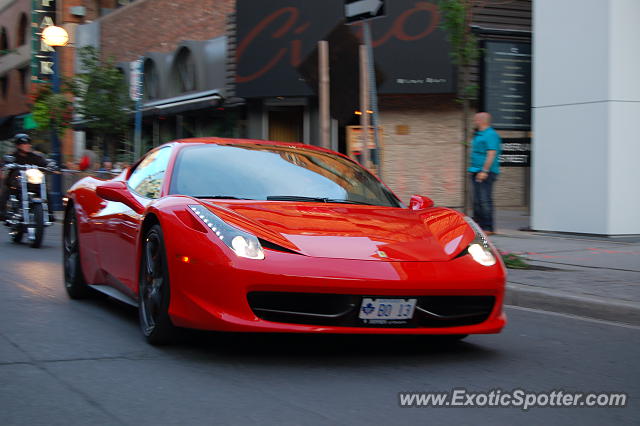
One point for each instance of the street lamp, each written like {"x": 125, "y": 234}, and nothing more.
{"x": 55, "y": 36}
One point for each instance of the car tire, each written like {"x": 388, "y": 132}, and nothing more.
{"x": 154, "y": 291}
{"x": 74, "y": 281}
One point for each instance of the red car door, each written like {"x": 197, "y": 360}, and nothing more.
{"x": 122, "y": 224}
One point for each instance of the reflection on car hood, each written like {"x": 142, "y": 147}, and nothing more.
{"x": 348, "y": 231}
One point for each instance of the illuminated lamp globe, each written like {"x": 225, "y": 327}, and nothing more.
{"x": 55, "y": 36}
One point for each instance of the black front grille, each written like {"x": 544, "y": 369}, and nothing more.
{"x": 451, "y": 311}
{"x": 342, "y": 309}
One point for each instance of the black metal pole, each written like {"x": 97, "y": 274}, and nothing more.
{"x": 56, "y": 197}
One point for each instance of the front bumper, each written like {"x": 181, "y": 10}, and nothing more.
{"x": 211, "y": 292}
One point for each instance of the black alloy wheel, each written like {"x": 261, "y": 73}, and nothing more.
{"x": 154, "y": 291}
{"x": 74, "y": 281}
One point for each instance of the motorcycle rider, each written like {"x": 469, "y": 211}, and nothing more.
{"x": 23, "y": 155}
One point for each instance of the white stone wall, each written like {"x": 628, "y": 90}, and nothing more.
{"x": 586, "y": 98}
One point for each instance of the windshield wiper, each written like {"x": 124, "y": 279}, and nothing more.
{"x": 332, "y": 200}
{"x": 312, "y": 199}
{"x": 296, "y": 198}
{"x": 221, "y": 197}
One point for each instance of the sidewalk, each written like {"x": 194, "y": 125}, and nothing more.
{"x": 594, "y": 277}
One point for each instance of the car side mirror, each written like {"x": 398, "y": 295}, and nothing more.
{"x": 117, "y": 191}
{"x": 419, "y": 202}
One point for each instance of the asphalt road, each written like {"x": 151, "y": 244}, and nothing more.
{"x": 76, "y": 363}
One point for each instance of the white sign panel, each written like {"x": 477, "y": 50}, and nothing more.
{"x": 135, "y": 80}
{"x": 358, "y": 10}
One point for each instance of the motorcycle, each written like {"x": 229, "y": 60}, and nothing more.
{"x": 28, "y": 207}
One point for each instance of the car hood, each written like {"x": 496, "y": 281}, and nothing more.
{"x": 349, "y": 231}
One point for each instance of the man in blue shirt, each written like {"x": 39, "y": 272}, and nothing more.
{"x": 484, "y": 170}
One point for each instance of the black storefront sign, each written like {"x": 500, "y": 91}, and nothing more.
{"x": 506, "y": 84}
{"x": 275, "y": 38}
{"x": 516, "y": 152}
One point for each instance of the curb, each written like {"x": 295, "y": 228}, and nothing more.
{"x": 579, "y": 305}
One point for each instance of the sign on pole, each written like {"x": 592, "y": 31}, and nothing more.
{"x": 355, "y": 147}
{"x": 135, "y": 80}
{"x": 359, "y": 10}
{"x": 135, "y": 92}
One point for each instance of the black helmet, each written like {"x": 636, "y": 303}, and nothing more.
{"x": 21, "y": 138}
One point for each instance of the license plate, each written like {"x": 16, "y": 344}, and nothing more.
{"x": 382, "y": 310}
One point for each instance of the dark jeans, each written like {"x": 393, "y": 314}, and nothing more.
{"x": 483, "y": 201}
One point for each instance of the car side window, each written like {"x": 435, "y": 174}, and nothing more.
{"x": 147, "y": 178}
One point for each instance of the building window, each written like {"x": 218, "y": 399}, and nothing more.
{"x": 4, "y": 42}
{"x": 23, "y": 30}
{"x": 25, "y": 77}
{"x": 4, "y": 86}
{"x": 123, "y": 75}
{"x": 184, "y": 72}
{"x": 150, "y": 80}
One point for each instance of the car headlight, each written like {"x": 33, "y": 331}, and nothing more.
{"x": 242, "y": 243}
{"x": 479, "y": 248}
{"x": 34, "y": 176}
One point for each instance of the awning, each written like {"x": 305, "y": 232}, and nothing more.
{"x": 183, "y": 103}
{"x": 28, "y": 122}
{"x": 175, "y": 105}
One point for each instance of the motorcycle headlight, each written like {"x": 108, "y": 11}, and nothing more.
{"x": 242, "y": 243}
{"x": 34, "y": 176}
{"x": 479, "y": 249}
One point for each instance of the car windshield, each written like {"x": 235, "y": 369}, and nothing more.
{"x": 277, "y": 173}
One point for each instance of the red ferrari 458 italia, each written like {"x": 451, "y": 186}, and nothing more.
{"x": 255, "y": 236}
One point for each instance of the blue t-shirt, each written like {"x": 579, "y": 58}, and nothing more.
{"x": 483, "y": 141}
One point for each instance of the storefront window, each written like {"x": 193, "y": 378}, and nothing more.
{"x": 24, "y": 79}
{"x": 23, "y": 30}
{"x": 4, "y": 86}
{"x": 4, "y": 42}
{"x": 150, "y": 81}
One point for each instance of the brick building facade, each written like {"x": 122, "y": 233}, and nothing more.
{"x": 160, "y": 25}
{"x": 15, "y": 51}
